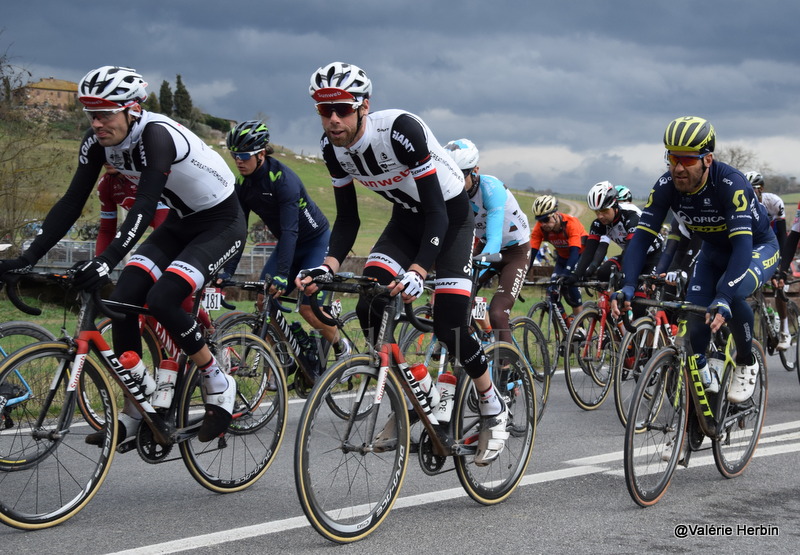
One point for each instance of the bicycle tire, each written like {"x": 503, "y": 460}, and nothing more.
{"x": 657, "y": 416}
{"x": 789, "y": 357}
{"x": 635, "y": 350}
{"x": 351, "y": 329}
{"x": 240, "y": 456}
{"x": 743, "y": 422}
{"x": 495, "y": 482}
{"x": 530, "y": 341}
{"x": 152, "y": 355}
{"x": 235, "y": 321}
{"x": 347, "y": 492}
{"x": 47, "y": 479}
{"x": 589, "y": 379}
{"x": 542, "y": 317}
{"x": 16, "y": 334}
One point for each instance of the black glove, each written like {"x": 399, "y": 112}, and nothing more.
{"x": 90, "y": 274}
{"x": 320, "y": 274}
{"x": 13, "y": 264}
{"x": 591, "y": 270}
{"x": 569, "y": 279}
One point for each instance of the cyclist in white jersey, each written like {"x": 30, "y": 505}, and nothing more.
{"x": 500, "y": 227}
{"x": 776, "y": 210}
{"x": 205, "y": 228}
{"x": 395, "y": 154}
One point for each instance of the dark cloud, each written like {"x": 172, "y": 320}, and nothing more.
{"x": 579, "y": 91}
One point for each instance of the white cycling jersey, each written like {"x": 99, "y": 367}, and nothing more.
{"x": 199, "y": 178}
{"x": 774, "y": 205}
{"x": 374, "y": 162}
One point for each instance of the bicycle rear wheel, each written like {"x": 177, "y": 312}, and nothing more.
{"x": 530, "y": 341}
{"x": 656, "y": 428}
{"x": 348, "y": 472}
{"x": 591, "y": 355}
{"x": 553, "y": 335}
{"x": 742, "y": 422}
{"x": 634, "y": 352}
{"x": 495, "y": 482}
{"x": 47, "y": 471}
{"x": 241, "y": 455}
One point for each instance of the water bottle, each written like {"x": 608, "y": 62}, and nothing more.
{"x": 131, "y": 361}
{"x": 423, "y": 377}
{"x": 446, "y": 385}
{"x": 166, "y": 377}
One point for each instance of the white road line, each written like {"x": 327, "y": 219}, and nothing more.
{"x": 581, "y": 467}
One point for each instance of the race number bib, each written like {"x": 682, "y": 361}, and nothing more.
{"x": 212, "y": 299}
{"x": 479, "y": 308}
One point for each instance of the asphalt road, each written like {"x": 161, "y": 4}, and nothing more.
{"x": 573, "y": 500}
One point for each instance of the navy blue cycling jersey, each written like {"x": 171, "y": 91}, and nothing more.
{"x": 277, "y": 195}
{"x": 724, "y": 213}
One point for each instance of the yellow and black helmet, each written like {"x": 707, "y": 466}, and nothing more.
{"x": 690, "y": 134}
{"x": 544, "y": 206}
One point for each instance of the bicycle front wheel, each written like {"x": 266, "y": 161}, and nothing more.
{"x": 241, "y": 455}
{"x": 530, "y": 341}
{"x": 48, "y": 473}
{"x": 493, "y": 483}
{"x": 348, "y": 472}
{"x": 742, "y": 422}
{"x": 634, "y": 352}
{"x": 656, "y": 428}
{"x": 591, "y": 355}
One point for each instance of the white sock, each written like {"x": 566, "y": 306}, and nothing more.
{"x": 490, "y": 403}
{"x": 214, "y": 378}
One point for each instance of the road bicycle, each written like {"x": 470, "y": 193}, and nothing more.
{"x": 646, "y": 335}
{"x": 419, "y": 346}
{"x": 302, "y": 354}
{"x": 349, "y": 470}
{"x": 48, "y": 472}
{"x": 767, "y": 325}
{"x": 672, "y": 411}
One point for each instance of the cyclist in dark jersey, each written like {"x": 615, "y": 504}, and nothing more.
{"x": 739, "y": 250}
{"x": 395, "y": 154}
{"x": 276, "y": 194}
{"x": 204, "y": 229}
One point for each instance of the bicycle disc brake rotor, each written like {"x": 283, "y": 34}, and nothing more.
{"x": 431, "y": 464}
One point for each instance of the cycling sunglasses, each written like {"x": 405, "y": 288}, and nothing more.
{"x": 341, "y": 109}
{"x": 685, "y": 160}
{"x": 244, "y": 156}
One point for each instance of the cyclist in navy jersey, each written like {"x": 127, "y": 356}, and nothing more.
{"x": 395, "y": 154}
{"x": 500, "y": 227}
{"x": 204, "y": 228}
{"x": 276, "y": 194}
{"x": 739, "y": 250}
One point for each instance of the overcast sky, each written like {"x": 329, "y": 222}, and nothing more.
{"x": 558, "y": 94}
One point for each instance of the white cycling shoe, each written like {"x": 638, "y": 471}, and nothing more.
{"x": 219, "y": 411}
{"x": 492, "y": 437}
{"x": 743, "y": 383}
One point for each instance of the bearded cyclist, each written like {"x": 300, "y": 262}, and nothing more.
{"x": 739, "y": 250}
{"x": 394, "y": 153}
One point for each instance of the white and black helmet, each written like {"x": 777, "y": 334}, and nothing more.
{"x": 602, "y": 195}
{"x": 340, "y": 82}
{"x": 755, "y": 179}
{"x": 464, "y": 152}
{"x": 110, "y": 87}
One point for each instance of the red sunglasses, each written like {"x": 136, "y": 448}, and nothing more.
{"x": 685, "y": 160}
{"x": 341, "y": 109}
